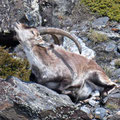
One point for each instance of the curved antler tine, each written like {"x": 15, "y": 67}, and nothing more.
{"x": 58, "y": 31}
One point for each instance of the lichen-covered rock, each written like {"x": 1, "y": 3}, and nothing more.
{"x": 15, "y": 10}
{"x": 28, "y": 101}
{"x": 100, "y": 22}
{"x": 55, "y": 12}
{"x": 116, "y": 116}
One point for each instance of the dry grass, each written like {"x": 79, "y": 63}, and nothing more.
{"x": 97, "y": 37}
{"x": 112, "y": 106}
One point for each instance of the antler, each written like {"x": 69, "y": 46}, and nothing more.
{"x": 58, "y": 31}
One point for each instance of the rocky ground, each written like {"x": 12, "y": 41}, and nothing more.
{"x": 100, "y": 39}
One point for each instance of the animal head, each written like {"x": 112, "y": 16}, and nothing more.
{"x": 27, "y": 34}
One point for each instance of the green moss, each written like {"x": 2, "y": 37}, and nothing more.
{"x": 97, "y": 37}
{"x": 110, "y": 8}
{"x": 10, "y": 66}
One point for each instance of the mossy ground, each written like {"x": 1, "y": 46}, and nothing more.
{"x": 10, "y": 66}
{"x": 110, "y": 8}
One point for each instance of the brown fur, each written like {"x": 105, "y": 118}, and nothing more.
{"x": 61, "y": 70}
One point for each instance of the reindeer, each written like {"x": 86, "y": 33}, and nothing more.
{"x": 61, "y": 70}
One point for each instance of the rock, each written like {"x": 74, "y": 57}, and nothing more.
{"x": 117, "y": 52}
{"x": 118, "y": 26}
{"x": 69, "y": 45}
{"x": 100, "y": 113}
{"x": 84, "y": 27}
{"x": 55, "y": 12}
{"x": 30, "y": 101}
{"x": 116, "y": 116}
{"x": 95, "y": 93}
{"x": 118, "y": 47}
{"x": 87, "y": 110}
{"x": 117, "y": 72}
{"x": 113, "y": 62}
{"x": 100, "y": 22}
{"x": 112, "y": 101}
{"x": 93, "y": 102}
{"x": 63, "y": 7}
{"x": 110, "y": 34}
{"x": 118, "y": 113}
{"x": 18, "y": 50}
{"x": 15, "y": 10}
{"x": 110, "y": 46}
